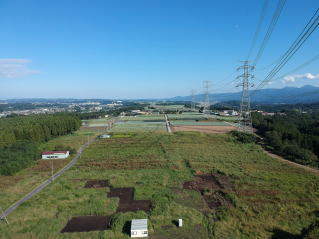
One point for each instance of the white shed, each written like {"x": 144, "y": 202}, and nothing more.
{"x": 139, "y": 228}
{"x": 55, "y": 154}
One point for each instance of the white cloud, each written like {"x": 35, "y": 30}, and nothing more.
{"x": 15, "y": 68}
{"x": 293, "y": 78}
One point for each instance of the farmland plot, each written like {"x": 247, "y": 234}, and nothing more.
{"x": 221, "y": 189}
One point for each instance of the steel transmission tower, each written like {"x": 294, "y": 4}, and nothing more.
{"x": 193, "y": 99}
{"x": 206, "y": 104}
{"x": 244, "y": 119}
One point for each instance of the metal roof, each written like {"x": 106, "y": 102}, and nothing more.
{"x": 54, "y": 152}
{"x": 139, "y": 224}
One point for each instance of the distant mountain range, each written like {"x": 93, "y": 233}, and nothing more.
{"x": 287, "y": 95}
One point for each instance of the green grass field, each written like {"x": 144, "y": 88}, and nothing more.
{"x": 138, "y": 126}
{"x": 12, "y": 188}
{"x": 267, "y": 196}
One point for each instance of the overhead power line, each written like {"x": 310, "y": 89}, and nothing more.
{"x": 260, "y": 21}
{"x": 306, "y": 63}
{"x": 270, "y": 29}
{"x": 300, "y": 40}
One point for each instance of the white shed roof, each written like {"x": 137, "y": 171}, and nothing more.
{"x": 139, "y": 224}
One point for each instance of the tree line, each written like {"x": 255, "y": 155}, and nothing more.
{"x": 294, "y": 135}
{"x": 20, "y": 136}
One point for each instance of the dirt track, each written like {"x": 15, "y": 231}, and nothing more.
{"x": 205, "y": 128}
{"x": 312, "y": 170}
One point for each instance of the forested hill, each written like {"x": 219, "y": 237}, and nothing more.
{"x": 19, "y": 137}
{"x": 293, "y": 135}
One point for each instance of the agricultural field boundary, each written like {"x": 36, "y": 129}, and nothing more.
{"x": 39, "y": 188}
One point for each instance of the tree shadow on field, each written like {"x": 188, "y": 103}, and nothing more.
{"x": 281, "y": 234}
{"x": 127, "y": 228}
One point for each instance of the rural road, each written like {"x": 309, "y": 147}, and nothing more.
{"x": 168, "y": 127}
{"x": 45, "y": 183}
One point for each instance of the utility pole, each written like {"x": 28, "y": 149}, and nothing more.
{"x": 206, "y": 104}
{"x": 193, "y": 100}
{"x": 244, "y": 119}
{"x": 52, "y": 170}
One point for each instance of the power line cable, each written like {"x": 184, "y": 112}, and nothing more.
{"x": 300, "y": 40}
{"x": 270, "y": 29}
{"x": 260, "y": 21}
{"x": 316, "y": 57}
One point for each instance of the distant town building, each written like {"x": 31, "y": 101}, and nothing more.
{"x": 139, "y": 228}
{"x": 55, "y": 154}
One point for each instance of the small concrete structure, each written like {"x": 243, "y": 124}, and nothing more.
{"x": 180, "y": 222}
{"x": 139, "y": 228}
{"x": 55, "y": 154}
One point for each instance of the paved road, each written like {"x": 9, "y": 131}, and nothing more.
{"x": 45, "y": 183}
{"x": 168, "y": 127}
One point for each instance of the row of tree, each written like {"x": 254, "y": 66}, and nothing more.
{"x": 293, "y": 135}
{"x": 19, "y": 137}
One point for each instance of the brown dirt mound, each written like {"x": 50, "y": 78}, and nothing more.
{"x": 217, "y": 199}
{"x": 97, "y": 184}
{"x": 212, "y": 181}
{"x": 212, "y": 188}
{"x": 127, "y": 203}
{"x": 87, "y": 223}
{"x": 204, "y": 129}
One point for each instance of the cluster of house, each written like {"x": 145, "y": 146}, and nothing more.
{"x": 227, "y": 113}
{"x": 135, "y": 112}
{"x": 33, "y": 111}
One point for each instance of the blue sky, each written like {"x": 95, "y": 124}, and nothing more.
{"x": 142, "y": 48}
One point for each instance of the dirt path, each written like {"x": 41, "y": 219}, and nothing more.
{"x": 312, "y": 170}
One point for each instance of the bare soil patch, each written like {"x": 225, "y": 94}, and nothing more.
{"x": 213, "y": 189}
{"x": 127, "y": 203}
{"x": 204, "y": 128}
{"x": 97, "y": 184}
{"x": 87, "y": 223}
{"x": 212, "y": 181}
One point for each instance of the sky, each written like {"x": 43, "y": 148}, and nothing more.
{"x": 135, "y": 49}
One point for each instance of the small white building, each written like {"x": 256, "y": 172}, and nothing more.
{"x": 105, "y": 136}
{"x": 139, "y": 228}
{"x": 55, "y": 154}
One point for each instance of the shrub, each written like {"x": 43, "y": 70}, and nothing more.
{"x": 161, "y": 201}
{"x": 244, "y": 137}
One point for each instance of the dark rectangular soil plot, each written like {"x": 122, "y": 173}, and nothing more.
{"x": 127, "y": 203}
{"x": 125, "y": 194}
{"x": 97, "y": 184}
{"x": 136, "y": 205}
{"x": 87, "y": 223}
